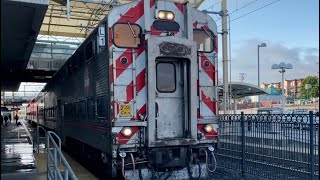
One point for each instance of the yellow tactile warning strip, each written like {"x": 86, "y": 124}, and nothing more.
{"x": 80, "y": 171}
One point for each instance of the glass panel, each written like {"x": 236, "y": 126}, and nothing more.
{"x": 166, "y": 77}
{"x": 68, "y": 110}
{"x": 125, "y": 35}
{"x": 102, "y": 107}
{"x": 75, "y": 109}
{"x": 82, "y": 109}
{"x": 204, "y": 42}
{"x": 90, "y": 108}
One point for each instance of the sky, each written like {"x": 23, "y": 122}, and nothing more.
{"x": 290, "y": 28}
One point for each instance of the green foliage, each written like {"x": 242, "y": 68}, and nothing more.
{"x": 314, "y": 91}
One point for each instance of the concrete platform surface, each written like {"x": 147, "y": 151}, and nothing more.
{"x": 18, "y": 160}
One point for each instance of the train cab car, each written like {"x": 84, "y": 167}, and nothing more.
{"x": 140, "y": 92}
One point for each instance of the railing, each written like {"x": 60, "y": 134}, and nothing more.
{"x": 36, "y": 139}
{"x": 55, "y": 153}
{"x": 278, "y": 146}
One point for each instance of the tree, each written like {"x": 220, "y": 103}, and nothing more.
{"x": 314, "y": 91}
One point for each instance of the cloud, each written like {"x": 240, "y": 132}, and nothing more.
{"x": 245, "y": 60}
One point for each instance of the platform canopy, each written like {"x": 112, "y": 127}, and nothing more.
{"x": 84, "y": 16}
{"x": 240, "y": 90}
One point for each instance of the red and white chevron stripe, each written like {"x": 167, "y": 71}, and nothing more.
{"x": 122, "y": 79}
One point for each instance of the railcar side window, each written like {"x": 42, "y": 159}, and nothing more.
{"x": 82, "y": 109}
{"x": 75, "y": 109}
{"x": 166, "y": 77}
{"x": 68, "y": 110}
{"x": 102, "y": 107}
{"x": 204, "y": 40}
{"x": 127, "y": 35}
{"x": 90, "y": 108}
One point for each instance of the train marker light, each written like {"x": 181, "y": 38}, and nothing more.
{"x": 166, "y": 15}
{"x": 162, "y": 15}
{"x": 170, "y": 16}
{"x": 208, "y": 128}
{"x": 126, "y": 131}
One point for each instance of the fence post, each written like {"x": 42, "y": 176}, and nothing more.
{"x": 242, "y": 144}
{"x": 311, "y": 145}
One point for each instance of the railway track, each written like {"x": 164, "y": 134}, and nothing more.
{"x": 266, "y": 166}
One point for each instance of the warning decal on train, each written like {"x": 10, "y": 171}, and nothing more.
{"x": 125, "y": 110}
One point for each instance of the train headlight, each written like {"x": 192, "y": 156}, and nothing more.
{"x": 208, "y": 128}
{"x": 167, "y": 15}
{"x": 170, "y": 16}
{"x": 162, "y": 14}
{"x": 126, "y": 131}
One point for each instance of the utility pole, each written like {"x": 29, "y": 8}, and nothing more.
{"x": 225, "y": 54}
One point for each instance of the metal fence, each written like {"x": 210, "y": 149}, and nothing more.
{"x": 273, "y": 146}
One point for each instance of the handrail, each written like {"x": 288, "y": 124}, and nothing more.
{"x": 56, "y": 174}
{"x": 37, "y": 136}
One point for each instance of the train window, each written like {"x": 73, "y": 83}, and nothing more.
{"x": 90, "y": 108}
{"x": 68, "y": 110}
{"x": 82, "y": 109}
{"x": 102, "y": 107}
{"x": 127, "y": 35}
{"x": 204, "y": 39}
{"x": 89, "y": 51}
{"x": 166, "y": 77}
{"x": 75, "y": 109}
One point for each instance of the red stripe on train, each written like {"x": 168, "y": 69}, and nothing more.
{"x": 210, "y": 70}
{"x": 209, "y": 103}
{"x": 152, "y": 2}
{"x": 180, "y": 6}
{"x": 141, "y": 80}
{"x": 129, "y": 91}
{"x": 133, "y": 14}
{"x": 140, "y": 83}
{"x": 120, "y": 67}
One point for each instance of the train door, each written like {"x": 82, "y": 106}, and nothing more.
{"x": 172, "y": 91}
{"x": 171, "y": 98}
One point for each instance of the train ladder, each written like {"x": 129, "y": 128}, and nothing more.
{"x": 133, "y": 85}
{"x": 55, "y": 158}
{"x": 203, "y": 86}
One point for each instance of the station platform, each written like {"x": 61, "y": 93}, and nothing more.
{"x": 19, "y": 161}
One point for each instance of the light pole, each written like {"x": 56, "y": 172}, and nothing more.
{"x": 282, "y": 66}
{"x": 259, "y": 46}
{"x": 308, "y": 87}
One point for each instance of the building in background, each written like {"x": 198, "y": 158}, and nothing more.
{"x": 292, "y": 87}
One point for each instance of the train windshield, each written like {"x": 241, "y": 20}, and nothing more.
{"x": 204, "y": 39}
{"x": 127, "y": 35}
